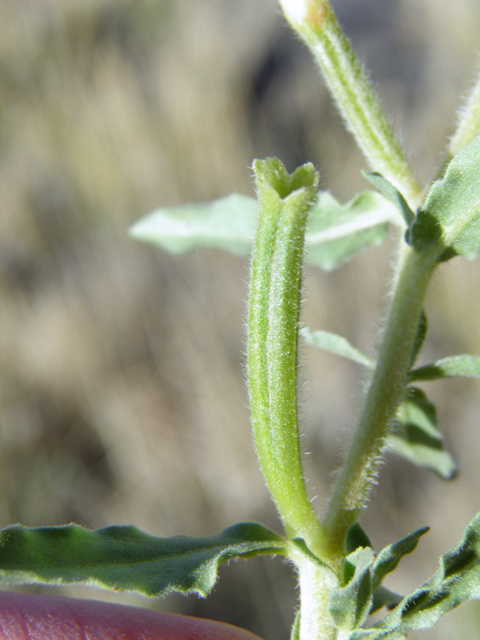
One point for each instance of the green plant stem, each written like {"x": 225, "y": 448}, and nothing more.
{"x": 468, "y": 126}
{"x": 316, "y": 585}
{"x": 350, "y": 86}
{"x": 383, "y": 397}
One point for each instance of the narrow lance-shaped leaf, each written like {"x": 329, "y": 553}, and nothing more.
{"x": 449, "y": 222}
{"x": 455, "y": 366}
{"x": 389, "y": 557}
{"x": 393, "y": 194}
{"x": 299, "y": 545}
{"x": 228, "y": 223}
{"x": 334, "y": 343}
{"x": 340, "y": 346}
{"x": 384, "y": 562}
{"x": 295, "y": 632}
{"x": 383, "y": 597}
{"x": 457, "y": 580}
{"x": 416, "y": 437}
{"x": 125, "y": 558}
{"x": 356, "y": 537}
{"x": 335, "y": 233}
{"x": 350, "y": 604}
{"x": 420, "y": 337}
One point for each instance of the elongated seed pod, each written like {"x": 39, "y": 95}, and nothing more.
{"x": 285, "y": 201}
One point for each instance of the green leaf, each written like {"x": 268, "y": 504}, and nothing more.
{"x": 420, "y": 337}
{"x": 350, "y": 605}
{"x": 295, "y": 632}
{"x": 392, "y": 193}
{"x": 335, "y": 232}
{"x": 389, "y": 557}
{"x": 415, "y": 435}
{"x": 457, "y": 580}
{"x": 449, "y": 221}
{"x": 356, "y": 537}
{"x": 299, "y": 544}
{"x": 384, "y": 562}
{"x": 334, "y": 343}
{"x": 462, "y": 366}
{"x": 383, "y": 597}
{"x": 126, "y": 559}
{"x": 227, "y": 224}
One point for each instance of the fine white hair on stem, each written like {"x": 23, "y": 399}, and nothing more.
{"x": 468, "y": 117}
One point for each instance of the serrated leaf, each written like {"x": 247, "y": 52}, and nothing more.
{"x": 449, "y": 221}
{"x": 334, "y": 343}
{"x": 350, "y": 605}
{"x": 389, "y": 557}
{"x": 125, "y": 558}
{"x": 466, "y": 366}
{"x": 335, "y": 232}
{"x": 457, "y": 580}
{"x": 416, "y": 437}
{"x": 228, "y": 223}
{"x": 392, "y": 193}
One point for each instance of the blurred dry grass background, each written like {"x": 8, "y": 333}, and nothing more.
{"x": 122, "y": 392}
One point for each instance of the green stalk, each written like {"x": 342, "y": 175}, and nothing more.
{"x": 285, "y": 202}
{"x": 316, "y": 585}
{"x": 350, "y": 86}
{"x": 384, "y": 395}
{"x": 468, "y": 126}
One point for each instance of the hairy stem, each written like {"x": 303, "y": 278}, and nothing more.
{"x": 468, "y": 127}
{"x": 351, "y": 88}
{"x": 384, "y": 395}
{"x": 316, "y": 585}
